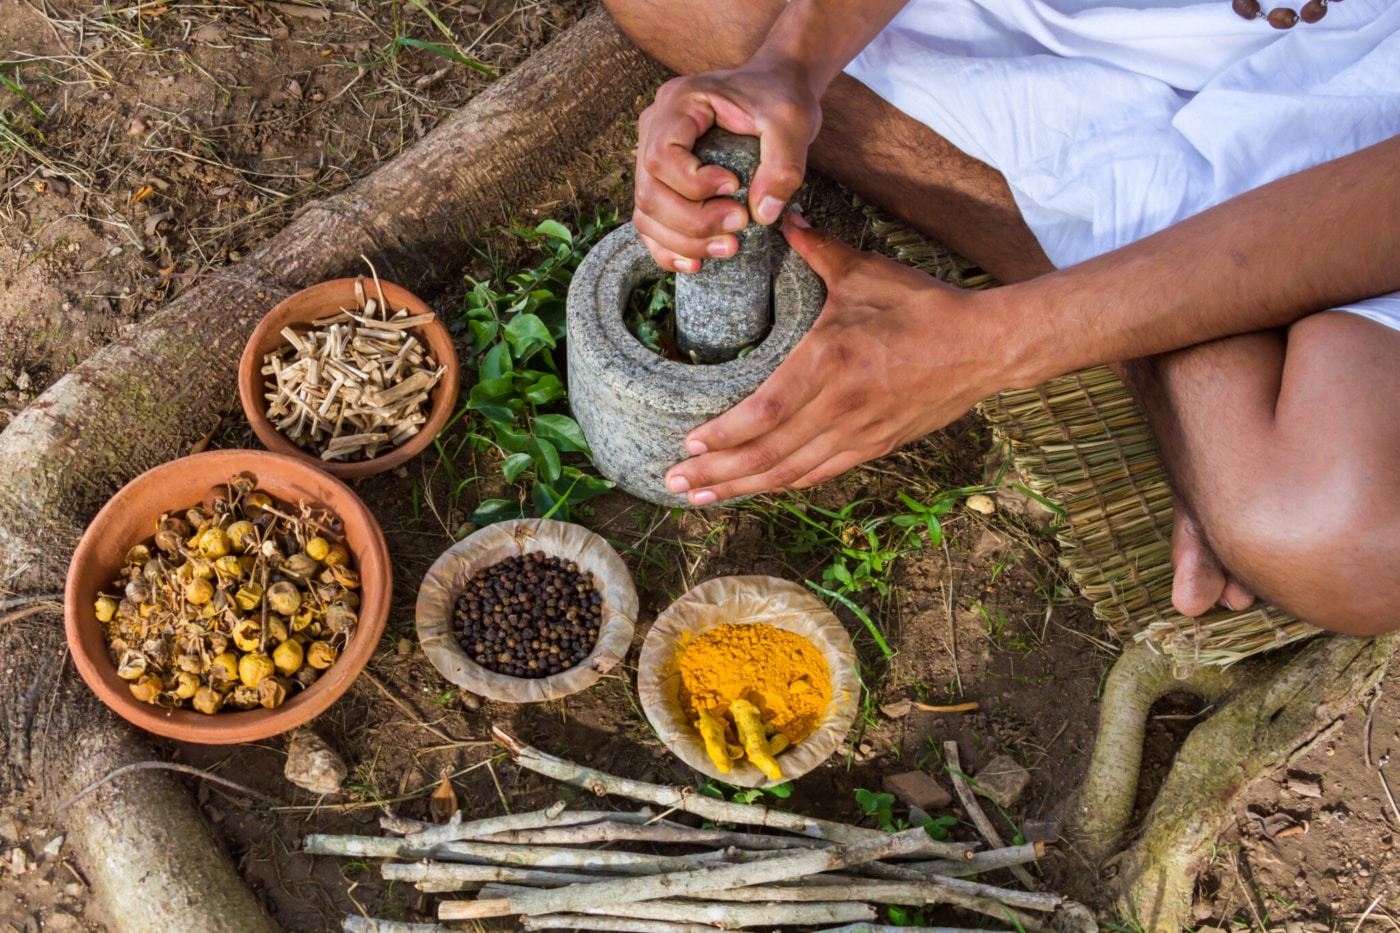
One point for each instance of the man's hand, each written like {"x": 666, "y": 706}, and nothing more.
{"x": 677, "y": 213}
{"x": 894, "y": 355}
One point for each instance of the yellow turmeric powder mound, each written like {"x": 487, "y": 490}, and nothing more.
{"x": 780, "y": 673}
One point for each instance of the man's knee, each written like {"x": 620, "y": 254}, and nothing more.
{"x": 1329, "y": 558}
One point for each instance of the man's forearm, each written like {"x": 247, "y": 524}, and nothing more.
{"x": 1326, "y": 236}
{"x": 822, "y": 36}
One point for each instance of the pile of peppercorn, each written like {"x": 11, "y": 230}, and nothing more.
{"x": 529, "y": 616}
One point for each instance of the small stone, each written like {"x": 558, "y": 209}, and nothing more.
{"x": 75, "y": 889}
{"x": 11, "y": 831}
{"x": 898, "y": 709}
{"x": 1203, "y": 912}
{"x": 1303, "y": 787}
{"x": 1293, "y": 926}
{"x": 404, "y": 647}
{"x": 981, "y": 504}
{"x": 917, "y": 789}
{"x": 61, "y": 921}
{"x": 471, "y": 701}
{"x": 1003, "y": 780}
{"x": 312, "y": 764}
{"x": 137, "y": 127}
{"x": 53, "y": 847}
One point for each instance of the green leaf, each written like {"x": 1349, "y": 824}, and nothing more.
{"x": 516, "y": 464}
{"x": 867, "y": 800}
{"x": 553, "y": 228}
{"x": 544, "y": 499}
{"x": 496, "y": 363}
{"x": 781, "y": 791}
{"x": 935, "y": 530}
{"x": 527, "y": 335}
{"x": 482, "y": 333}
{"x": 562, "y": 431}
{"x": 444, "y": 51}
{"x": 496, "y": 510}
{"x": 509, "y": 439}
{"x": 545, "y": 389}
{"x": 546, "y": 459}
{"x": 499, "y": 390}
{"x": 748, "y": 796}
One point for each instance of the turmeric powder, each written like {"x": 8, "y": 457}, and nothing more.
{"x": 781, "y": 673}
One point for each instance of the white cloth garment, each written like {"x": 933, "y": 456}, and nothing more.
{"x": 1113, "y": 120}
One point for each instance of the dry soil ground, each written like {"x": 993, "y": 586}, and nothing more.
{"x": 145, "y": 145}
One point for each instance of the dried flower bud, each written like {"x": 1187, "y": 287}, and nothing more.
{"x": 256, "y": 502}
{"x": 248, "y": 596}
{"x": 345, "y": 576}
{"x": 138, "y": 555}
{"x": 132, "y": 665}
{"x": 284, "y": 598}
{"x": 207, "y": 701}
{"x": 320, "y": 655}
{"x": 340, "y": 617}
{"x": 106, "y": 608}
{"x": 147, "y": 688}
{"x": 223, "y": 670}
{"x": 247, "y": 635}
{"x": 272, "y": 692}
{"x": 242, "y": 535}
{"x": 138, "y": 591}
{"x": 317, "y": 548}
{"x": 287, "y": 657}
{"x": 253, "y": 667}
{"x": 213, "y": 542}
{"x": 186, "y": 685}
{"x": 199, "y": 591}
{"x": 242, "y": 697}
{"x": 335, "y": 555}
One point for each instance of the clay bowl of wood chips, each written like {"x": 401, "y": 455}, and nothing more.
{"x": 526, "y": 611}
{"x": 354, "y": 375}
{"x": 316, "y": 505}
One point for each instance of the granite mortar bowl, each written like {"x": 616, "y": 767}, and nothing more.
{"x": 445, "y": 581}
{"x": 324, "y": 300}
{"x": 129, "y": 518}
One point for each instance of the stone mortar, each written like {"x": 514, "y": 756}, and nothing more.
{"x": 727, "y": 305}
{"x": 636, "y": 407}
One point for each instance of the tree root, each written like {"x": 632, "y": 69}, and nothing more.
{"x": 1278, "y": 709}
{"x": 147, "y": 851}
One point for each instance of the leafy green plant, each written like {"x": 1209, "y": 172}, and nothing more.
{"x": 881, "y": 807}
{"x": 722, "y": 791}
{"x": 514, "y": 335}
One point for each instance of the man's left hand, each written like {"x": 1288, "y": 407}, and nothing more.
{"x": 894, "y": 355}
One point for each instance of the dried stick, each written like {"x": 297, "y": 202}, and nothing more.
{"x": 685, "y": 799}
{"x": 724, "y": 916}
{"x": 477, "y": 829}
{"x": 942, "y": 891}
{"x": 629, "y": 863}
{"x": 165, "y": 766}
{"x": 688, "y": 883}
{"x": 358, "y": 924}
{"x": 664, "y": 832}
{"x": 979, "y": 819}
{"x": 436, "y": 877}
{"x": 889, "y": 928}
{"x": 610, "y": 924}
{"x": 986, "y": 860}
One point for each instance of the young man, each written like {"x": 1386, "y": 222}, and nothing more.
{"x": 1167, "y": 187}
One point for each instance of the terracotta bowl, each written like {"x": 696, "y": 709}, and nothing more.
{"x": 444, "y": 582}
{"x": 129, "y": 518}
{"x": 324, "y": 300}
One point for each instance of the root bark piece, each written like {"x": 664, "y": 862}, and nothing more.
{"x": 1288, "y": 706}
{"x": 1099, "y": 817}
{"x": 144, "y": 846}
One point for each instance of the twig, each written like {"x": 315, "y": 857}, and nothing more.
{"x": 436, "y": 877}
{"x": 724, "y": 916}
{"x": 1368, "y": 909}
{"x": 889, "y": 928}
{"x": 164, "y": 766}
{"x": 626, "y": 863}
{"x": 1385, "y": 785}
{"x": 687, "y": 800}
{"x": 952, "y": 891}
{"x": 974, "y": 811}
{"x": 477, "y": 829}
{"x": 971, "y": 706}
{"x": 667, "y": 832}
{"x": 1370, "y": 719}
{"x": 687, "y": 883}
{"x": 610, "y": 924}
{"x": 17, "y": 601}
{"x": 988, "y": 860}
{"x": 406, "y": 709}
{"x": 356, "y": 924}
{"x": 21, "y": 614}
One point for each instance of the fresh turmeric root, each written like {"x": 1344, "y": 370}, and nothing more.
{"x": 749, "y": 724}
{"x": 712, "y": 732}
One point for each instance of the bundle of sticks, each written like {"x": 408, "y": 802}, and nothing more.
{"x": 548, "y": 868}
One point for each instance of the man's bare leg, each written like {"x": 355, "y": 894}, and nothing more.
{"x": 1235, "y": 422}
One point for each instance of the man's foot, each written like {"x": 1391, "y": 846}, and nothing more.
{"x": 1201, "y": 582}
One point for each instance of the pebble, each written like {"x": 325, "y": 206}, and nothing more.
{"x": 11, "y": 831}
{"x": 53, "y": 847}
{"x": 981, "y": 503}
{"x": 917, "y": 790}
{"x": 312, "y": 764}
{"x": 1003, "y": 780}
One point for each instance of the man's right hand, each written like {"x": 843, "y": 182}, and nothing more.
{"x": 679, "y": 212}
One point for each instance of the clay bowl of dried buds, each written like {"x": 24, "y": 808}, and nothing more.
{"x": 227, "y": 596}
{"x": 353, "y": 375}
{"x": 527, "y": 610}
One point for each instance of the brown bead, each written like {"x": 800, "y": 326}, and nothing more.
{"x": 1282, "y": 18}
{"x": 1313, "y": 11}
{"x": 1249, "y": 9}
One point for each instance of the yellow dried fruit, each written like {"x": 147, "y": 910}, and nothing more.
{"x": 272, "y": 692}
{"x": 186, "y": 685}
{"x": 336, "y": 555}
{"x": 247, "y": 635}
{"x": 214, "y": 543}
{"x": 228, "y": 568}
{"x": 254, "y": 667}
{"x": 304, "y": 619}
{"x": 248, "y": 596}
{"x": 242, "y": 697}
{"x": 257, "y": 502}
{"x": 345, "y": 576}
{"x": 199, "y": 591}
{"x": 287, "y": 657}
{"x": 132, "y": 665}
{"x": 138, "y": 555}
{"x": 300, "y": 566}
{"x": 317, "y": 548}
{"x": 320, "y": 655}
{"x": 223, "y": 670}
{"x": 207, "y": 701}
{"x": 106, "y": 608}
{"x": 242, "y": 535}
{"x": 276, "y": 631}
{"x": 284, "y": 598}
{"x": 147, "y": 688}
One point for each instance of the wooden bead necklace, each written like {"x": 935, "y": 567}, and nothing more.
{"x": 1282, "y": 17}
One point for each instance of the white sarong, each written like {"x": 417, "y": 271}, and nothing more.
{"x": 1113, "y": 120}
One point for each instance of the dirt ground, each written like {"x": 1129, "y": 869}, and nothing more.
{"x": 144, "y": 147}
